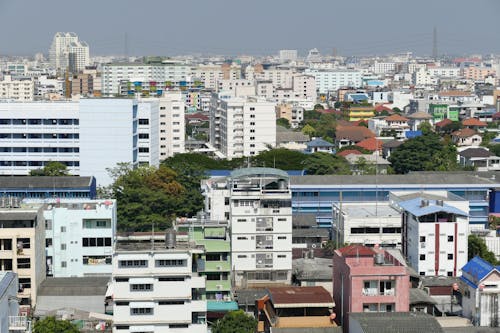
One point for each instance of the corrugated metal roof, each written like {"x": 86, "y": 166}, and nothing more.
{"x": 316, "y": 296}
{"x": 254, "y": 171}
{"x": 396, "y": 322}
{"x": 414, "y": 206}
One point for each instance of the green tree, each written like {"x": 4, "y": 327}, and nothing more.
{"x": 283, "y": 122}
{"x": 337, "y": 105}
{"x": 424, "y": 153}
{"x": 52, "y": 325}
{"x": 452, "y": 127}
{"x": 308, "y": 130}
{"x": 425, "y": 127}
{"x": 354, "y": 147}
{"x": 487, "y": 137}
{"x": 363, "y": 167}
{"x": 235, "y": 322}
{"x": 318, "y": 107}
{"x": 397, "y": 110}
{"x": 280, "y": 158}
{"x": 52, "y": 168}
{"x": 147, "y": 196}
{"x": 326, "y": 164}
{"x": 477, "y": 247}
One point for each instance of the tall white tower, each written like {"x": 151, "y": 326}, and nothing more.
{"x": 67, "y": 50}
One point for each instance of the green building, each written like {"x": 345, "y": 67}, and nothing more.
{"x": 214, "y": 262}
{"x": 453, "y": 113}
{"x": 438, "y": 111}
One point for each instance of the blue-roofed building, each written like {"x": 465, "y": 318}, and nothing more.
{"x": 318, "y": 145}
{"x": 356, "y": 97}
{"x": 412, "y": 134}
{"x": 434, "y": 233}
{"x": 480, "y": 287}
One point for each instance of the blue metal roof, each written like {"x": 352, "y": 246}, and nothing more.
{"x": 358, "y": 97}
{"x": 221, "y": 306}
{"x": 414, "y": 207}
{"x": 477, "y": 268}
{"x": 318, "y": 142}
{"x": 412, "y": 134}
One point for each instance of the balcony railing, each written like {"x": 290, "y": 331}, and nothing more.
{"x": 376, "y": 292}
{"x": 19, "y": 324}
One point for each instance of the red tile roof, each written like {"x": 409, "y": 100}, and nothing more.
{"x": 474, "y": 122}
{"x": 454, "y": 93}
{"x": 395, "y": 117}
{"x": 370, "y": 144}
{"x": 359, "y": 122}
{"x": 353, "y": 133}
{"x": 443, "y": 122}
{"x": 380, "y": 108}
{"x": 496, "y": 115}
{"x": 464, "y": 133}
{"x": 356, "y": 250}
{"x": 346, "y": 152}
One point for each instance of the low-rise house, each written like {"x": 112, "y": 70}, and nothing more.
{"x": 295, "y": 307}
{"x": 389, "y": 147}
{"x": 312, "y": 271}
{"x": 481, "y": 292}
{"x": 318, "y": 145}
{"x": 371, "y": 144}
{"x": 417, "y": 118}
{"x": 289, "y": 139}
{"x": 480, "y": 158}
{"x": 360, "y": 164}
{"x": 466, "y": 137}
{"x": 351, "y": 135}
{"x": 474, "y": 124}
{"x": 420, "y": 301}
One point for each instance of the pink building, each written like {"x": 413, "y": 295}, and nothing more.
{"x": 368, "y": 280}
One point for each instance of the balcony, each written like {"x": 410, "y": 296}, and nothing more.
{"x": 216, "y": 285}
{"x": 19, "y": 324}
{"x": 217, "y": 266}
{"x": 376, "y": 292}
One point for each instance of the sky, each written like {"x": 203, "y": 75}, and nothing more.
{"x": 256, "y": 27}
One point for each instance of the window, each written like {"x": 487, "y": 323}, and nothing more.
{"x": 132, "y": 263}
{"x": 281, "y": 237}
{"x": 422, "y": 239}
{"x": 450, "y": 238}
{"x": 170, "y": 262}
{"x": 422, "y": 257}
{"x": 281, "y": 255}
{"x": 242, "y": 238}
{"x": 242, "y": 256}
{"x": 450, "y": 256}
{"x": 170, "y": 302}
{"x": 143, "y": 150}
{"x": 63, "y": 229}
{"x": 63, "y": 246}
{"x": 23, "y": 263}
{"x": 171, "y": 279}
{"x": 143, "y": 121}
{"x": 141, "y": 287}
{"x": 141, "y": 311}
{"x": 48, "y": 242}
{"x": 63, "y": 264}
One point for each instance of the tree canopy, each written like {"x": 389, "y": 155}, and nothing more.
{"x": 326, "y": 164}
{"x": 477, "y": 247}
{"x": 280, "y": 158}
{"x": 283, "y": 122}
{"x": 424, "y": 153}
{"x": 52, "y": 325}
{"x": 235, "y": 322}
{"x": 51, "y": 168}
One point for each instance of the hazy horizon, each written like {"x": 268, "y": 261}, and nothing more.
{"x": 226, "y": 27}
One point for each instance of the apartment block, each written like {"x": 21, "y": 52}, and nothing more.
{"x": 294, "y": 115}
{"x": 368, "y": 280}
{"x": 68, "y": 52}
{"x": 434, "y": 234}
{"x": 22, "y": 245}
{"x": 172, "y": 124}
{"x": 332, "y": 80}
{"x": 212, "y": 74}
{"x": 242, "y": 126}
{"x": 17, "y": 89}
{"x": 79, "y": 237}
{"x": 148, "y": 132}
{"x": 257, "y": 203}
{"x": 156, "y": 287}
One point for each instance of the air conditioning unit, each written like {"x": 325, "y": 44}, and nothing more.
{"x": 219, "y": 268}
{"x": 219, "y": 286}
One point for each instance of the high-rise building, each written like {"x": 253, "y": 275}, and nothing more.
{"x": 68, "y": 52}
{"x": 172, "y": 129}
{"x": 242, "y": 126}
{"x": 17, "y": 89}
{"x": 288, "y": 55}
{"x": 257, "y": 202}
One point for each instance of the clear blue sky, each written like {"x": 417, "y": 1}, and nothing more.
{"x": 168, "y": 27}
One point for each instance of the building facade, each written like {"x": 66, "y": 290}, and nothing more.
{"x": 172, "y": 125}
{"x": 67, "y": 51}
{"x": 17, "y": 89}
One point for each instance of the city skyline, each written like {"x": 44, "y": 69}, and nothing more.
{"x": 223, "y": 27}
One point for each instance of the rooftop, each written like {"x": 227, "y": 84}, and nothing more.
{"x": 396, "y": 322}
{"x": 75, "y": 286}
{"x": 371, "y": 144}
{"x": 317, "y": 269}
{"x": 34, "y": 182}
{"x": 415, "y": 207}
{"x": 254, "y": 171}
{"x": 356, "y": 251}
{"x": 420, "y": 115}
{"x": 475, "y": 152}
{"x": 474, "y": 122}
{"x": 464, "y": 133}
{"x": 286, "y": 297}
{"x": 369, "y": 210}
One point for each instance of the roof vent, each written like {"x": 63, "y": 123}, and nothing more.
{"x": 424, "y": 203}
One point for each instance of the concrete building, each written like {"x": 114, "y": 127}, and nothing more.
{"x": 281, "y": 77}
{"x": 479, "y": 73}
{"x": 242, "y": 126}
{"x": 211, "y": 74}
{"x": 148, "y": 132}
{"x": 23, "y": 248}
{"x": 304, "y": 87}
{"x": 156, "y": 287}
{"x": 367, "y": 224}
{"x": 169, "y": 71}
{"x": 79, "y": 237}
{"x": 384, "y": 67}
{"x": 294, "y": 115}
{"x": 67, "y": 51}
{"x": 480, "y": 289}
{"x": 10, "y": 321}
{"x": 434, "y": 234}
{"x": 288, "y": 55}
{"x": 368, "y": 280}
{"x": 17, "y": 89}
{"x": 88, "y": 136}
{"x": 331, "y": 80}
{"x": 81, "y": 85}
{"x": 172, "y": 125}
{"x": 257, "y": 203}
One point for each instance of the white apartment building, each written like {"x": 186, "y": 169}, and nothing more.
{"x": 17, "y": 89}
{"x": 48, "y": 89}
{"x": 444, "y": 72}
{"x": 211, "y": 74}
{"x": 242, "y": 126}
{"x": 148, "y": 132}
{"x": 240, "y": 87}
{"x": 88, "y": 136}
{"x": 10, "y": 321}
{"x": 332, "y": 80}
{"x": 265, "y": 89}
{"x": 304, "y": 87}
{"x": 257, "y": 202}
{"x": 67, "y": 50}
{"x": 22, "y": 243}
{"x": 384, "y": 67}
{"x": 288, "y": 55}
{"x": 422, "y": 78}
{"x": 434, "y": 234}
{"x": 79, "y": 237}
{"x": 154, "y": 287}
{"x": 166, "y": 71}
{"x": 367, "y": 224}
{"x": 172, "y": 124}
{"x": 281, "y": 77}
